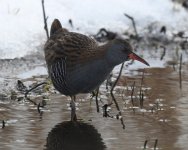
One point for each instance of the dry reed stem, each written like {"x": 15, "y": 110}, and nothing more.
{"x": 45, "y": 20}
{"x": 180, "y": 72}
{"x": 133, "y": 23}
{"x": 113, "y": 98}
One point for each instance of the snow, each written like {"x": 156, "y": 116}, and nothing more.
{"x": 34, "y": 72}
{"x": 22, "y": 27}
{"x": 22, "y": 21}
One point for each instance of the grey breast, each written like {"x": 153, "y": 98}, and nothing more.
{"x": 85, "y": 78}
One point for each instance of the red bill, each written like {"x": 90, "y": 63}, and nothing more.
{"x": 136, "y": 57}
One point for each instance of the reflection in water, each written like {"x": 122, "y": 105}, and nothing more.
{"x": 74, "y": 136}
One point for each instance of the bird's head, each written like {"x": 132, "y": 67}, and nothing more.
{"x": 122, "y": 51}
{"x": 56, "y": 27}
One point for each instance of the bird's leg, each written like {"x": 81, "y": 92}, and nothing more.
{"x": 95, "y": 94}
{"x": 96, "y": 99}
{"x": 73, "y": 108}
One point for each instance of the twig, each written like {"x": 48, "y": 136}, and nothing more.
{"x": 45, "y": 20}
{"x": 180, "y": 74}
{"x": 108, "y": 81}
{"x": 27, "y": 92}
{"x": 145, "y": 144}
{"x": 39, "y": 110}
{"x": 133, "y": 22}
{"x": 71, "y": 24}
{"x": 163, "y": 29}
{"x": 132, "y": 92}
{"x": 155, "y": 145}
{"x": 31, "y": 100}
{"x": 3, "y": 124}
{"x": 142, "y": 100}
{"x": 105, "y": 111}
{"x": 141, "y": 84}
{"x": 111, "y": 92}
{"x": 164, "y": 52}
{"x": 96, "y": 99}
{"x": 157, "y": 105}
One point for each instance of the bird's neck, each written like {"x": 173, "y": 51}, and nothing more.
{"x": 114, "y": 53}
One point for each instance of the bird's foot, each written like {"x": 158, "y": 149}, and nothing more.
{"x": 73, "y": 117}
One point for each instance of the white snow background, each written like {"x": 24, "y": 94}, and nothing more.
{"x": 22, "y": 25}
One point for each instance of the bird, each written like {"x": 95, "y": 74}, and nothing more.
{"x": 77, "y": 64}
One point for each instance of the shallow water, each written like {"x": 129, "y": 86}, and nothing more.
{"x": 163, "y": 117}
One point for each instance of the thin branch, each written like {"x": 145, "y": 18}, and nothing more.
{"x": 141, "y": 84}
{"x": 111, "y": 92}
{"x": 164, "y": 52}
{"x": 142, "y": 100}
{"x": 132, "y": 92}
{"x": 71, "y": 24}
{"x": 113, "y": 86}
{"x": 133, "y": 23}
{"x": 96, "y": 99}
{"x": 105, "y": 111}
{"x": 145, "y": 144}
{"x": 180, "y": 73}
{"x": 45, "y": 20}
{"x": 155, "y": 145}
{"x": 27, "y": 92}
{"x": 3, "y": 124}
{"x": 108, "y": 81}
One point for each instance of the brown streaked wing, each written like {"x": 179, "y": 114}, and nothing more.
{"x": 77, "y": 48}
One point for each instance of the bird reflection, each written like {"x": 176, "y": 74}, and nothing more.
{"x": 71, "y": 135}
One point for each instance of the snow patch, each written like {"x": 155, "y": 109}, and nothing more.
{"x": 22, "y": 28}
